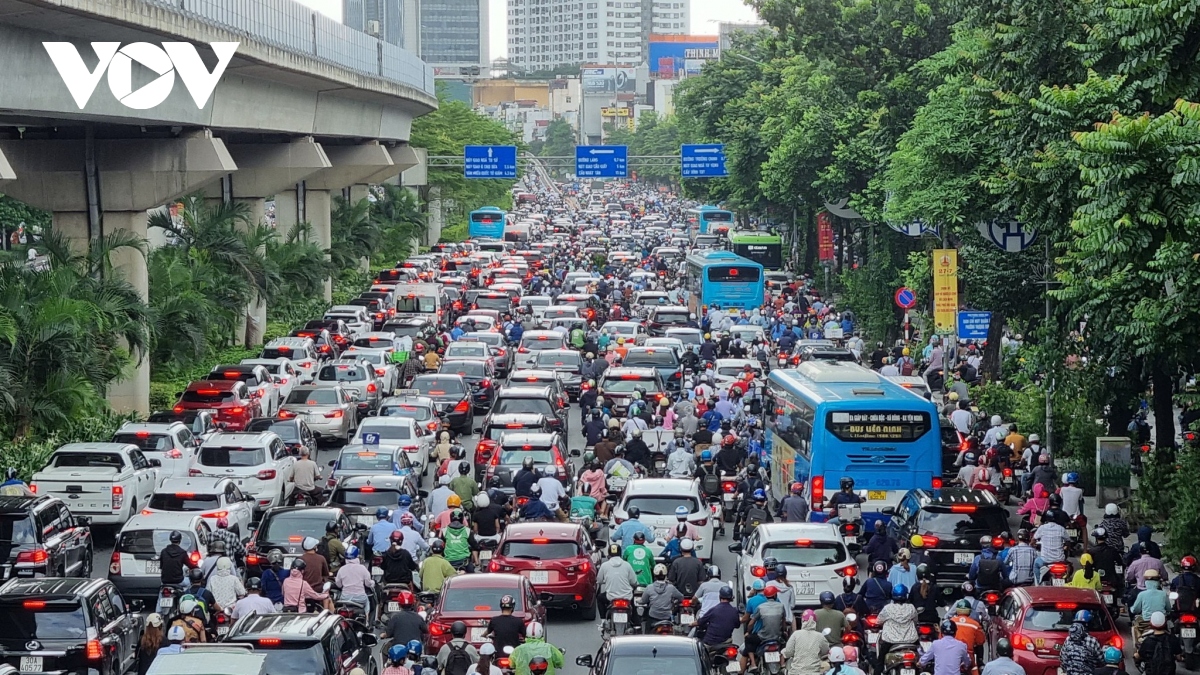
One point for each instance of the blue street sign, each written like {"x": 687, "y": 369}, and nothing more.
{"x": 973, "y": 325}
{"x": 369, "y": 438}
{"x": 702, "y": 161}
{"x": 601, "y": 161}
{"x": 1009, "y": 235}
{"x": 490, "y": 161}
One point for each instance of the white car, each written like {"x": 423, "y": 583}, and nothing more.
{"x": 357, "y": 318}
{"x": 258, "y": 462}
{"x": 171, "y": 443}
{"x": 632, "y": 331}
{"x": 402, "y": 433}
{"x": 534, "y": 341}
{"x": 107, "y": 482}
{"x": 286, "y": 375}
{"x": 536, "y": 303}
{"x": 135, "y": 569}
{"x": 657, "y": 499}
{"x": 688, "y": 336}
{"x": 301, "y": 351}
{"x": 815, "y": 556}
{"x": 381, "y": 361}
{"x": 211, "y": 498}
{"x": 674, "y": 344}
{"x": 729, "y": 370}
{"x": 748, "y": 333}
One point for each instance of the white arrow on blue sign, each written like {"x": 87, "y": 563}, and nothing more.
{"x": 490, "y": 161}
{"x": 601, "y": 161}
{"x": 705, "y": 160}
{"x": 973, "y": 325}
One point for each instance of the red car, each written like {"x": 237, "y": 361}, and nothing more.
{"x": 557, "y": 558}
{"x": 474, "y": 599}
{"x": 230, "y": 399}
{"x": 1035, "y": 619}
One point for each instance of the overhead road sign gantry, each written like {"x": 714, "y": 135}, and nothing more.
{"x": 601, "y": 161}
{"x": 490, "y": 161}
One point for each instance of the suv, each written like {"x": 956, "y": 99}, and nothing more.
{"x": 202, "y": 423}
{"x": 480, "y": 374}
{"x": 815, "y": 555}
{"x": 259, "y": 382}
{"x": 617, "y": 386}
{"x": 301, "y": 351}
{"x": 662, "y": 318}
{"x": 230, "y": 399}
{"x": 452, "y": 394}
{"x": 259, "y": 462}
{"x": 317, "y": 644}
{"x": 357, "y": 378}
{"x": 538, "y": 400}
{"x": 536, "y": 341}
{"x": 950, "y": 522}
{"x": 172, "y": 444}
{"x": 664, "y": 360}
{"x": 43, "y": 538}
{"x": 285, "y": 528}
{"x": 136, "y": 563}
{"x": 68, "y": 626}
{"x": 495, "y": 426}
{"x": 567, "y": 365}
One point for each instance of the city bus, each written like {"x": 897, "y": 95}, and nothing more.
{"x": 709, "y": 220}
{"x": 486, "y": 223}
{"x": 718, "y": 277}
{"x": 829, "y": 419}
{"x": 763, "y": 248}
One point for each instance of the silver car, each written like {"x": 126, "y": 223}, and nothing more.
{"x": 501, "y": 352}
{"x": 381, "y": 361}
{"x": 356, "y": 377}
{"x": 331, "y": 412}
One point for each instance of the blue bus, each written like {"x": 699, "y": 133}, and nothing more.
{"x": 825, "y": 420}
{"x": 710, "y": 220}
{"x": 486, "y": 223}
{"x": 718, "y": 277}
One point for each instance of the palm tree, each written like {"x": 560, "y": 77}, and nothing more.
{"x": 401, "y": 220}
{"x": 354, "y": 234}
{"x": 297, "y": 273}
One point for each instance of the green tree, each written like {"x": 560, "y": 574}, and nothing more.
{"x": 560, "y": 142}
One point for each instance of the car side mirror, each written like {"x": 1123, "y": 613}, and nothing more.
{"x": 735, "y": 547}
{"x": 368, "y": 639}
{"x": 545, "y": 597}
{"x": 584, "y": 661}
{"x": 888, "y": 510}
{"x": 478, "y": 430}
{"x": 316, "y": 435}
{"x": 333, "y": 462}
{"x": 576, "y": 452}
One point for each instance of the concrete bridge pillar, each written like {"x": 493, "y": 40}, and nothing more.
{"x": 96, "y": 187}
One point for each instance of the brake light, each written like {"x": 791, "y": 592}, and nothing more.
{"x": 818, "y": 492}
{"x": 1116, "y": 641}
{"x": 379, "y": 372}
{"x": 962, "y": 508}
{"x": 1020, "y": 641}
{"x": 195, "y": 472}
{"x": 33, "y": 488}
{"x": 758, "y": 571}
{"x": 803, "y": 543}
{"x": 729, "y": 487}
{"x": 991, "y": 598}
{"x": 1187, "y": 618}
{"x": 236, "y": 410}
{"x": 1071, "y": 606}
{"x": 1060, "y": 570}
{"x": 522, "y": 350}
{"x": 438, "y": 629}
{"x": 929, "y": 541}
{"x": 872, "y": 620}
{"x": 850, "y": 571}
{"x": 94, "y": 650}
{"x": 335, "y": 414}
{"x": 286, "y": 414}
{"x": 1007, "y": 473}
{"x": 142, "y": 434}
{"x": 266, "y": 474}
{"x": 937, "y": 483}
{"x": 371, "y": 387}
{"x": 118, "y": 497}
{"x": 462, "y": 407}
{"x": 620, "y": 603}
{"x": 252, "y": 559}
{"x": 925, "y": 630}
{"x": 217, "y": 514}
{"x": 268, "y": 642}
{"x": 114, "y": 563}
{"x": 909, "y": 658}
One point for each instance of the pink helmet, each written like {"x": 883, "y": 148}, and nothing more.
{"x": 222, "y": 523}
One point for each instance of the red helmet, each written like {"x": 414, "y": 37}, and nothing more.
{"x": 771, "y": 591}
{"x": 397, "y": 537}
{"x": 222, "y": 523}
{"x": 729, "y": 440}
{"x": 406, "y": 599}
{"x": 1188, "y": 563}
{"x": 797, "y": 487}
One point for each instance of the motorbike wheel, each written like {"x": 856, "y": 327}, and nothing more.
{"x": 1190, "y": 661}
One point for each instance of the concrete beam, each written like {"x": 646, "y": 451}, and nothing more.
{"x": 350, "y": 164}
{"x": 135, "y": 175}
{"x": 266, "y": 168}
{"x": 403, "y": 159}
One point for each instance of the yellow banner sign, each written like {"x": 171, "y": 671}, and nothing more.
{"x": 616, "y": 112}
{"x": 945, "y": 289}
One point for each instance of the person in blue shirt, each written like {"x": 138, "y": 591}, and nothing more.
{"x": 517, "y": 330}
{"x": 903, "y": 571}
{"x": 625, "y": 531}
{"x": 273, "y": 576}
{"x": 988, "y": 577}
{"x": 877, "y": 590}
{"x": 13, "y": 485}
{"x": 535, "y": 508}
{"x": 175, "y": 638}
{"x": 457, "y": 332}
{"x": 711, "y": 419}
{"x": 378, "y": 537}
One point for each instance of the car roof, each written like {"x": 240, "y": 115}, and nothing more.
{"x": 486, "y": 580}
{"x": 644, "y": 373}
{"x": 286, "y": 626}
{"x": 525, "y": 391}
{"x": 388, "y": 421}
{"x": 517, "y": 418}
{"x": 656, "y": 645}
{"x": 19, "y": 503}
{"x": 96, "y": 447}
{"x": 242, "y": 438}
{"x": 49, "y": 587}
{"x": 164, "y": 520}
{"x": 789, "y": 531}
{"x": 527, "y": 438}
{"x": 1039, "y": 594}
{"x": 159, "y": 427}
{"x": 548, "y": 530}
{"x": 955, "y": 496}
{"x": 662, "y": 486}
{"x": 195, "y": 484}
{"x": 408, "y": 399}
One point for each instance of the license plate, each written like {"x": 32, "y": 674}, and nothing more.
{"x": 733, "y": 667}
{"x": 1058, "y": 582}
{"x": 872, "y": 638}
{"x": 164, "y": 605}
{"x": 1108, "y": 598}
{"x": 485, "y": 555}
{"x": 908, "y": 671}
{"x": 620, "y": 617}
{"x": 222, "y": 630}
{"x": 686, "y": 619}
{"x": 850, "y": 541}
{"x": 31, "y": 664}
{"x": 805, "y": 587}
{"x": 771, "y": 657}
{"x": 541, "y": 577}
{"x": 393, "y": 607}
{"x": 727, "y": 497}
{"x": 661, "y": 533}
{"x": 876, "y": 494}
{"x": 660, "y": 465}
{"x": 152, "y": 567}
{"x": 963, "y": 558}
{"x": 1120, "y": 569}
{"x": 477, "y": 633}
{"x": 1187, "y": 632}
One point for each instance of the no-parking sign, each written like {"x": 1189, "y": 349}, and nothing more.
{"x": 905, "y": 298}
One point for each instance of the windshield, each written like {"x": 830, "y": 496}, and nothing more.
{"x": 958, "y": 525}
{"x": 281, "y": 353}
{"x": 679, "y": 317}
{"x": 517, "y": 406}
{"x": 479, "y": 599}
{"x": 407, "y": 304}
{"x": 295, "y": 526}
{"x": 288, "y": 432}
{"x": 365, "y": 497}
{"x": 647, "y": 359}
{"x": 1050, "y": 618}
{"x": 416, "y": 412}
{"x": 17, "y": 529}
{"x": 152, "y": 542}
{"x": 54, "y": 621}
{"x": 561, "y": 312}
{"x": 183, "y": 501}
{"x": 313, "y": 397}
{"x": 502, "y": 303}
{"x": 401, "y": 330}
{"x": 376, "y": 358}
{"x": 466, "y": 368}
{"x": 654, "y": 665}
{"x": 366, "y": 461}
{"x": 232, "y": 456}
{"x": 734, "y": 371}
{"x": 388, "y": 432}
{"x": 541, "y": 342}
{"x": 208, "y": 396}
{"x": 342, "y": 373}
{"x": 515, "y": 456}
{"x": 467, "y": 349}
{"x": 664, "y": 505}
{"x": 623, "y": 386}
{"x": 147, "y": 442}
{"x": 438, "y": 386}
{"x": 540, "y": 550}
{"x": 620, "y": 329}
{"x": 815, "y": 554}
{"x": 295, "y": 658}
{"x": 559, "y": 361}
{"x": 495, "y": 432}
{"x": 88, "y": 459}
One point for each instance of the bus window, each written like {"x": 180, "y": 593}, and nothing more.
{"x": 722, "y": 274}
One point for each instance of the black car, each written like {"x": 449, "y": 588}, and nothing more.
{"x": 284, "y": 528}
{"x": 495, "y": 426}
{"x": 662, "y": 318}
{"x": 539, "y": 400}
{"x": 567, "y": 364}
{"x": 549, "y": 453}
{"x": 453, "y": 397}
{"x": 360, "y": 496}
{"x": 317, "y": 644}
{"x": 950, "y": 521}
{"x": 40, "y": 537}
{"x": 71, "y": 626}
{"x": 654, "y": 653}
{"x": 294, "y": 432}
{"x": 480, "y": 374}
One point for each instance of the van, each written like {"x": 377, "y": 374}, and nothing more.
{"x": 424, "y": 300}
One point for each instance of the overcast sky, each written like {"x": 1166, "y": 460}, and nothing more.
{"x": 705, "y": 15}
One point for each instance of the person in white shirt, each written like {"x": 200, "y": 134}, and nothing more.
{"x": 437, "y": 498}
{"x": 962, "y": 419}
{"x": 254, "y": 602}
{"x": 633, "y": 424}
{"x": 551, "y": 490}
{"x": 996, "y": 434}
{"x": 889, "y": 368}
{"x": 487, "y": 655}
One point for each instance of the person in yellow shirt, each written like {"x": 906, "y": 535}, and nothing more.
{"x": 432, "y": 361}
{"x": 1015, "y": 441}
{"x": 1087, "y": 576}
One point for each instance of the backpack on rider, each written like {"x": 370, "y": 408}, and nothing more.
{"x": 458, "y": 661}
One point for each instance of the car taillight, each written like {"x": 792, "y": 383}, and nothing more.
{"x": 937, "y": 483}
{"x": 462, "y": 407}
{"x": 1021, "y": 641}
{"x": 195, "y": 472}
{"x": 758, "y": 571}
{"x": 522, "y": 350}
{"x": 1115, "y": 641}
{"x": 582, "y": 568}
{"x": 174, "y": 453}
{"x": 818, "y": 492}
{"x": 438, "y": 629}
{"x": 929, "y": 541}
{"x": 379, "y": 372}
{"x": 33, "y": 488}
{"x": 371, "y": 388}
{"x": 1007, "y": 472}
{"x": 94, "y": 650}
{"x": 335, "y": 414}
{"x": 36, "y": 556}
{"x": 286, "y": 414}
{"x": 252, "y": 559}
{"x": 848, "y": 571}
{"x": 991, "y": 598}
{"x": 265, "y": 474}
{"x": 118, "y": 497}
{"x": 485, "y": 383}
{"x": 217, "y": 514}
{"x": 114, "y": 563}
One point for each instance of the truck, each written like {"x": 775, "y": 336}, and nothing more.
{"x": 107, "y": 482}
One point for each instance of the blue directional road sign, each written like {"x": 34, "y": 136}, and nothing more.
{"x": 973, "y": 325}
{"x": 490, "y": 161}
{"x": 601, "y": 161}
{"x": 703, "y": 161}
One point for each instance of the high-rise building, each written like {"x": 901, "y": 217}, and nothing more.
{"x": 454, "y": 37}
{"x": 547, "y": 34}
{"x": 383, "y": 19}
{"x": 727, "y": 29}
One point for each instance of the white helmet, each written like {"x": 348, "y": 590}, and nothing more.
{"x": 1034, "y": 438}
{"x": 176, "y": 634}
{"x": 1111, "y": 510}
{"x": 837, "y": 655}
{"x": 482, "y": 501}
{"x": 686, "y": 544}
{"x": 1158, "y": 620}
{"x": 997, "y": 421}
{"x": 534, "y": 630}
{"x": 444, "y": 480}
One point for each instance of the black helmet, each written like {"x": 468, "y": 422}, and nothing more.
{"x": 197, "y": 575}
{"x": 726, "y": 593}
{"x": 827, "y": 598}
{"x": 463, "y": 468}
{"x": 634, "y": 513}
{"x": 217, "y": 547}
{"x": 923, "y": 571}
{"x": 1004, "y": 647}
{"x": 849, "y": 584}
{"x": 508, "y": 602}
{"x": 1023, "y": 534}
{"x": 176, "y": 536}
{"x": 1055, "y": 501}
{"x": 299, "y": 564}
{"x": 437, "y": 547}
{"x": 948, "y": 627}
{"x": 11, "y": 473}
{"x": 726, "y": 425}
{"x": 846, "y": 483}
{"x": 614, "y": 550}
{"x": 331, "y": 526}
{"x": 458, "y": 629}
{"x": 254, "y": 584}
{"x": 527, "y": 463}
{"x": 639, "y": 537}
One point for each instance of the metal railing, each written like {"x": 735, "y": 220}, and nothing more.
{"x": 288, "y": 25}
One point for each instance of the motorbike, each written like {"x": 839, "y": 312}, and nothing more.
{"x": 926, "y": 634}
{"x": 658, "y": 460}
{"x": 1110, "y": 597}
{"x": 223, "y": 622}
{"x": 168, "y": 600}
{"x": 1008, "y": 485}
{"x": 716, "y": 510}
{"x": 900, "y": 660}
{"x": 686, "y": 611}
{"x": 992, "y": 600}
{"x": 872, "y": 628}
{"x": 616, "y": 621}
{"x": 1184, "y": 626}
{"x": 729, "y": 497}
{"x": 1056, "y": 574}
{"x": 850, "y": 525}
{"x": 487, "y": 548}
{"x": 770, "y": 657}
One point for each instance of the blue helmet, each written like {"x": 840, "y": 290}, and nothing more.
{"x": 404, "y": 500}
{"x": 351, "y": 552}
{"x": 760, "y": 495}
{"x": 414, "y": 648}
{"x": 397, "y": 653}
{"x": 706, "y": 456}
{"x": 899, "y": 592}
{"x": 1113, "y": 655}
{"x": 827, "y": 598}
{"x": 681, "y": 512}
{"x": 1083, "y": 616}
{"x": 381, "y": 513}
{"x": 1072, "y": 478}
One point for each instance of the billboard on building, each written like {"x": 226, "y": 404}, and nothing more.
{"x": 676, "y": 56}
{"x": 608, "y": 80}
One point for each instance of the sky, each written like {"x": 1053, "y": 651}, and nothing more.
{"x": 705, "y": 15}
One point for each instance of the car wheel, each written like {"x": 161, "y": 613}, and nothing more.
{"x": 85, "y": 570}
{"x": 589, "y": 613}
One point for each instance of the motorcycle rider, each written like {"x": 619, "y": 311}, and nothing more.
{"x": 615, "y": 579}
{"x": 899, "y": 623}
{"x": 1020, "y": 560}
{"x": 948, "y": 655}
{"x": 1086, "y": 576}
{"x": 806, "y": 647}
{"x": 793, "y": 508}
{"x": 174, "y": 562}
{"x": 525, "y": 478}
{"x": 830, "y": 618}
{"x": 398, "y": 563}
{"x": 719, "y": 624}
{"x": 659, "y": 599}
{"x": 535, "y": 509}
{"x": 787, "y": 596}
{"x": 1002, "y": 663}
{"x": 753, "y": 514}
{"x": 505, "y": 630}
{"x": 681, "y": 463}
{"x": 355, "y": 580}
{"x": 640, "y": 558}
{"x": 1187, "y": 585}
{"x": 969, "y": 631}
{"x": 305, "y": 475}
{"x": 988, "y": 571}
{"x": 686, "y": 571}
{"x": 877, "y": 590}
{"x": 627, "y": 531}
{"x": 1150, "y": 600}
{"x": 1115, "y": 528}
{"x": 637, "y": 452}
{"x": 535, "y": 648}
{"x": 926, "y": 595}
{"x": 766, "y": 623}
{"x": 1081, "y": 653}
{"x": 233, "y": 543}
{"x": 1158, "y": 651}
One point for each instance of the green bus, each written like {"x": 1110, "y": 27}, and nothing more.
{"x": 762, "y": 247}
